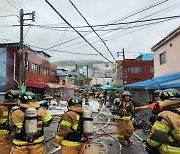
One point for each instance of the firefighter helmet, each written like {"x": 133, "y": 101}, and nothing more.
{"x": 74, "y": 101}
{"x": 156, "y": 93}
{"x": 170, "y": 94}
{"x": 126, "y": 93}
{"x": 27, "y": 97}
{"x": 11, "y": 95}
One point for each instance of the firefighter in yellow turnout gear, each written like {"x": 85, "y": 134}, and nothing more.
{"x": 165, "y": 133}
{"x": 67, "y": 135}
{"x": 86, "y": 96}
{"x": 6, "y": 130}
{"x": 123, "y": 109}
{"x": 57, "y": 96}
{"x": 29, "y": 133}
{"x": 100, "y": 99}
{"x": 81, "y": 95}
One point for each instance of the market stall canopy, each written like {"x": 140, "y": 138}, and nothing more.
{"x": 35, "y": 84}
{"x": 117, "y": 85}
{"x": 162, "y": 82}
{"x": 107, "y": 86}
{"x": 54, "y": 85}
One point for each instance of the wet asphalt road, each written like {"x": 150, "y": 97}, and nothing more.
{"x": 103, "y": 144}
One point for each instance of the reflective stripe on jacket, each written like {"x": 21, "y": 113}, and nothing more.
{"x": 3, "y": 119}
{"x": 122, "y": 118}
{"x": 68, "y": 123}
{"x": 168, "y": 125}
{"x": 17, "y": 118}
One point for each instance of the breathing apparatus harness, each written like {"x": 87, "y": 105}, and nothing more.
{"x": 40, "y": 128}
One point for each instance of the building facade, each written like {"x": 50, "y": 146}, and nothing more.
{"x": 167, "y": 54}
{"x": 133, "y": 70}
{"x": 39, "y": 71}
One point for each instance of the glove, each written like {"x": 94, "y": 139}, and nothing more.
{"x": 56, "y": 143}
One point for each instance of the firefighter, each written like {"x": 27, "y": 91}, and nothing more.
{"x": 100, "y": 99}
{"x": 105, "y": 93}
{"x": 70, "y": 132}
{"x": 48, "y": 97}
{"x": 58, "y": 97}
{"x": 154, "y": 106}
{"x": 6, "y": 129}
{"x": 81, "y": 95}
{"x": 165, "y": 134}
{"x": 123, "y": 109}
{"x": 86, "y": 96}
{"x": 29, "y": 120}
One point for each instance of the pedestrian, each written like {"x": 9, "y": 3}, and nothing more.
{"x": 58, "y": 97}
{"x": 6, "y": 129}
{"x": 123, "y": 110}
{"x": 29, "y": 120}
{"x": 165, "y": 134}
{"x": 70, "y": 130}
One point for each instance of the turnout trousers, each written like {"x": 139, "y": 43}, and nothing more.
{"x": 6, "y": 142}
{"x": 72, "y": 149}
{"x": 38, "y": 148}
{"x": 125, "y": 129}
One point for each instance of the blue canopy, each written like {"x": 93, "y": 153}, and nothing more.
{"x": 106, "y": 86}
{"x": 162, "y": 82}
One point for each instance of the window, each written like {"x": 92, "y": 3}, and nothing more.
{"x": 151, "y": 69}
{"x": 45, "y": 71}
{"x": 162, "y": 58}
{"x": 53, "y": 73}
{"x": 134, "y": 69}
{"x": 35, "y": 68}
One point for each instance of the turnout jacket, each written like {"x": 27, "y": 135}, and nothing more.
{"x": 18, "y": 117}
{"x": 68, "y": 124}
{"x": 165, "y": 135}
{"x": 123, "y": 109}
{"x": 5, "y": 115}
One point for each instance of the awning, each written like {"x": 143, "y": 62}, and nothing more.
{"x": 35, "y": 84}
{"x": 162, "y": 82}
{"x": 54, "y": 85}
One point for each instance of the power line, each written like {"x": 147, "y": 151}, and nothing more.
{"x": 92, "y": 28}
{"x": 78, "y": 53}
{"x": 8, "y": 16}
{"x": 127, "y": 16}
{"x": 168, "y": 8}
{"x": 109, "y": 38}
{"x": 13, "y": 5}
{"x": 77, "y": 31}
{"x": 138, "y": 21}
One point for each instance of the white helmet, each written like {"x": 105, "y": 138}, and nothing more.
{"x": 126, "y": 93}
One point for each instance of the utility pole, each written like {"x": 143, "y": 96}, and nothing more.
{"x": 87, "y": 76}
{"x": 76, "y": 68}
{"x": 124, "y": 71}
{"x": 21, "y": 52}
{"x": 22, "y": 73}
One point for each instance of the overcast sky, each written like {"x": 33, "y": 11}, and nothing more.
{"x": 133, "y": 39}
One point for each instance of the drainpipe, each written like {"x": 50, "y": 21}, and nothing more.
{"x": 14, "y": 75}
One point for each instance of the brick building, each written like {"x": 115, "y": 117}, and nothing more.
{"x": 39, "y": 71}
{"x": 134, "y": 70}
